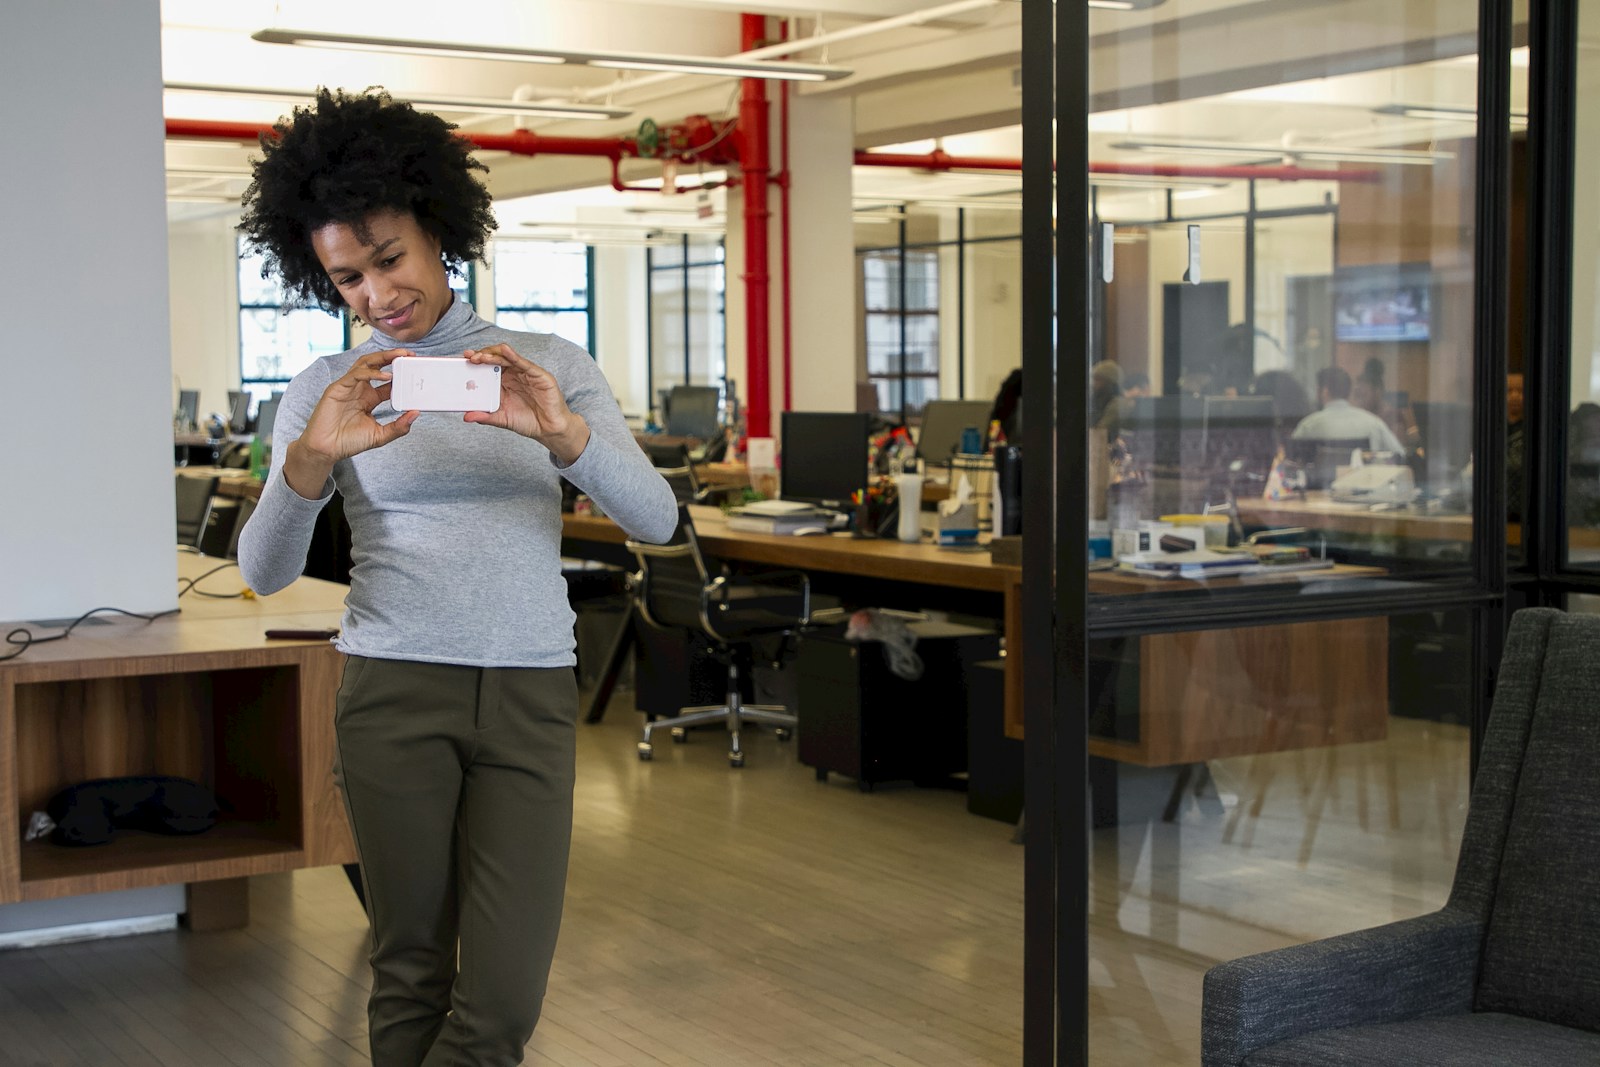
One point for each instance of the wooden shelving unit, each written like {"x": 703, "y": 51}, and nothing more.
{"x": 202, "y": 695}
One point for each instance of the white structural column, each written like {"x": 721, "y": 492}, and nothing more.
{"x": 822, "y": 258}
{"x": 86, "y": 494}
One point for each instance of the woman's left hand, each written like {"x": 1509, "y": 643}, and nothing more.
{"x": 531, "y": 404}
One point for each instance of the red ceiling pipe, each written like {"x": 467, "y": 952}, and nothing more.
{"x": 519, "y": 142}
{"x": 755, "y": 165}
{"x": 939, "y": 159}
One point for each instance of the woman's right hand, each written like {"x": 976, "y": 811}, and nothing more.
{"x": 342, "y": 425}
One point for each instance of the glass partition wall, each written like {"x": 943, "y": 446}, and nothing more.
{"x": 1284, "y": 547}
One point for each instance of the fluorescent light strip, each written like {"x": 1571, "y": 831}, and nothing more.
{"x": 1301, "y": 152}
{"x": 725, "y": 68}
{"x": 444, "y": 103}
{"x": 1440, "y": 112}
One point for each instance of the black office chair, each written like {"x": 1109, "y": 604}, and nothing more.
{"x": 194, "y": 495}
{"x": 672, "y": 463}
{"x": 676, "y": 589}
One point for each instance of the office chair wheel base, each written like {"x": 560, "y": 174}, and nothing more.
{"x": 736, "y": 759}
{"x": 646, "y": 751}
{"x": 782, "y": 733}
{"x": 679, "y": 735}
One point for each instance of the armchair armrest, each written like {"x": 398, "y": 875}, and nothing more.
{"x": 1405, "y": 970}
{"x": 783, "y": 597}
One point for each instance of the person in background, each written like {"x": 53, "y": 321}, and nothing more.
{"x": 1290, "y": 403}
{"x": 455, "y": 721}
{"x": 1136, "y": 385}
{"x": 1340, "y": 420}
{"x": 1105, "y": 396}
{"x": 1006, "y": 411}
{"x": 1369, "y": 393}
{"x": 1515, "y": 447}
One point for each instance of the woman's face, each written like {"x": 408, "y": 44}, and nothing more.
{"x": 391, "y": 275}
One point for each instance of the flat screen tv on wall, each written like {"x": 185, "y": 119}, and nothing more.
{"x": 1383, "y": 302}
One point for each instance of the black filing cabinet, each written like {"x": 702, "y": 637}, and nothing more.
{"x": 859, "y": 719}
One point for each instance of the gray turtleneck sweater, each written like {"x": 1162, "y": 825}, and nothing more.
{"x": 456, "y": 527}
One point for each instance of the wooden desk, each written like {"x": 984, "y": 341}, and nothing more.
{"x": 1194, "y": 702}
{"x": 1320, "y": 513}
{"x": 916, "y": 564}
{"x": 202, "y": 695}
{"x": 232, "y": 482}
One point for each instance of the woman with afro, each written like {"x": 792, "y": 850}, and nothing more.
{"x": 455, "y": 718}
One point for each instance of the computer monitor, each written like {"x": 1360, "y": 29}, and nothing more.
{"x": 824, "y": 456}
{"x": 1445, "y": 430}
{"x": 1237, "y": 433}
{"x": 692, "y": 411}
{"x": 1166, "y": 434}
{"x": 238, "y": 410}
{"x": 188, "y": 409}
{"x": 266, "y": 415}
{"x": 942, "y": 423}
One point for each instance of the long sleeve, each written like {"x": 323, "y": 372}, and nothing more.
{"x": 613, "y": 470}
{"x": 274, "y": 543}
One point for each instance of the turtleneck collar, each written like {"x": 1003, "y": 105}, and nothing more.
{"x": 451, "y": 335}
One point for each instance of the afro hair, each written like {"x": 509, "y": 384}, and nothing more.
{"x": 346, "y": 157}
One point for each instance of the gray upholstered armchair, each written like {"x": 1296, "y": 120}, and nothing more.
{"x": 1508, "y": 971}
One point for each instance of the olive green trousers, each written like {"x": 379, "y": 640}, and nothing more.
{"x": 458, "y": 784}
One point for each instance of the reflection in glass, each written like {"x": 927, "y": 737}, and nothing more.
{"x": 1290, "y": 292}
{"x": 1583, "y": 401}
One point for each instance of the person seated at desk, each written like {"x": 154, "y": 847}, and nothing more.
{"x": 1341, "y": 420}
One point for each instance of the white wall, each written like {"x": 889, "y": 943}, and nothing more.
{"x": 202, "y": 259}
{"x": 85, "y": 412}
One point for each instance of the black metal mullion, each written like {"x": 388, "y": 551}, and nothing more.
{"x": 1552, "y": 123}
{"x": 1491, "y": 278}
{"x": 688, "y": 377}
{"x": 900, "y": 311}
{"x": 650, "y": 330}
{"x": 1250, "y": 268}
{"x": 961, "y": 302}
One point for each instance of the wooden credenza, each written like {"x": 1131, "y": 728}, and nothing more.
{"x": 203, "y": 695}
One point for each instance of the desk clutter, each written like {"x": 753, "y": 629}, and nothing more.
{"x": 860, "y": 718}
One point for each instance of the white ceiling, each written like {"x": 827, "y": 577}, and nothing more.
{"x": 953, "y": 78}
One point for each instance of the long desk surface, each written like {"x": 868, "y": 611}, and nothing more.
{"x": 917, "y": 564}
{"x": 1317, "y": 511}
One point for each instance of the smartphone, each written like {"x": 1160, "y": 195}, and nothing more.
{"x": 444, "y": 383}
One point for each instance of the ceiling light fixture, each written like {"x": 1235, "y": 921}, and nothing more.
{"x": 1440, "y": 112}
{"x": 1331, "y": 153}
{"x": 489, "y": 105}
{"x": 724, "y": 68}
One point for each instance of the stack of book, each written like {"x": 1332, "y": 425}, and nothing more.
{"x": 780, "y": 517}
{"x": 1195, "y": 563}
{"x": 1202, "y": 563}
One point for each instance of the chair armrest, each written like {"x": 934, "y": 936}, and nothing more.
{"x": 1405, "y": 970}
{"x": 793, "y": 588}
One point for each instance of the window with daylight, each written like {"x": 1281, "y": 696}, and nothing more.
{"x": 276, "y": 343}
{"x": 545, "y": 287}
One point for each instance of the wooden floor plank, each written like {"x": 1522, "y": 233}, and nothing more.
{"x": 721, "y": 918}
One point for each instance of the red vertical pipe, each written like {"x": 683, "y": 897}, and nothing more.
{"x": 786, "y": 297}
{"x": 755, "y": 166}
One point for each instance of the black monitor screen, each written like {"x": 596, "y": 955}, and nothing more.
{"x": 266, "y": 415}
{"x": 188, "y": 408}
{"x": 692, "y": 411}
{"x": 825, "y": 455}
{"x": 942, "y": 423}
{"x": 238, "y": 411}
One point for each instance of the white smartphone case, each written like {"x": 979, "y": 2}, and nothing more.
{"x": 444, "y": 383}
